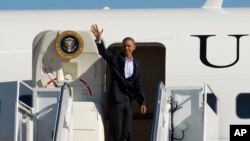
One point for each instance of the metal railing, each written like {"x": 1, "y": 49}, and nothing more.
{"x": 23, "y": 116}
{"x": 63, "y": 116}
{"x": 161, "y": 121}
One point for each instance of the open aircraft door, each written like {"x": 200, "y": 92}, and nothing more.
{"x": 210, "y": 115}
{"x": 161, "y": 121}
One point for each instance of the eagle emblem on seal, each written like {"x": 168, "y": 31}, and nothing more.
{"x": 69, "y": 44}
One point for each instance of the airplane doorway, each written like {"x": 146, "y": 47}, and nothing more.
{"x": 152, "y": 57}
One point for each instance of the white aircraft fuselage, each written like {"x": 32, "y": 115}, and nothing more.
{"x": 209, "y": 46}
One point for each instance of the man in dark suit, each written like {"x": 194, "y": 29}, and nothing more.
{"x": 125, "y": 83}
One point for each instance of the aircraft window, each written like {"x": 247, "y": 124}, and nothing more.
{"x": 242, "y": 105}
{"x": 212, "y": 101}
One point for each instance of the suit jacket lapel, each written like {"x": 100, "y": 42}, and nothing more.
{"x": 122, "y": 64}
{"x": 135, "y": 69}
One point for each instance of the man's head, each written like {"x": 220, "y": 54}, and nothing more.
{"x": 128, "y": 46}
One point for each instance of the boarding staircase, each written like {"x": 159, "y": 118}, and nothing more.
{"x": 54, "y": 116}
{"x": 186, "y": 114}
{"x": 183, "y": 113}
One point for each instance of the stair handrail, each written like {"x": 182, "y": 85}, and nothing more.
{"x": 65, "y": 85}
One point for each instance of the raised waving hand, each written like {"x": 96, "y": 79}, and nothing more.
{"x": 97, "y": 33}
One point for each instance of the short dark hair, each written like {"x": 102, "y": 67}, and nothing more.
{"x": 128, "y": 38}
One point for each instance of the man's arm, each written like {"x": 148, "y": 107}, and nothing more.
{"x": 100, "y": 45}
{"x": 140, "y": 93}
{"x": 107, "y": 55}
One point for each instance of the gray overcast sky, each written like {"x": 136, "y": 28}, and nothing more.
{"x": 113, "y": 4}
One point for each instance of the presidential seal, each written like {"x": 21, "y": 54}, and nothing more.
{"x": 69, "y": 44}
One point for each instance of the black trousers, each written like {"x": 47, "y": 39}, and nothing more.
{"x": 120, "y": 121}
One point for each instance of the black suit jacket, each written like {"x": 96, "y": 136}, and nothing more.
{"x": 120, "y": 87}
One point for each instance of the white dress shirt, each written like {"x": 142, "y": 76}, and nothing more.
{"x": 129, "y": 67}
